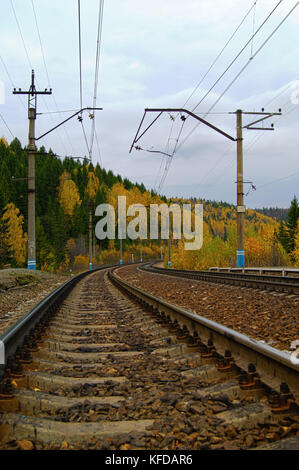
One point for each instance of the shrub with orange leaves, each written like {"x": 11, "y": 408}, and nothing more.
{"x": 81, "y": 263}
{"x": 254, "y": 250}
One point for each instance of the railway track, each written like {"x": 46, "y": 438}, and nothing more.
{"x": 286, "y": 284}
{"x": 107, "y": 366}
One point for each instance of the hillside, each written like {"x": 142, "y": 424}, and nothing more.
{"x": 275, "y": 212}
{"x": 66, "y": 190}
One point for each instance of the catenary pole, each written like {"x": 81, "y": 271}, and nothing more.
{"x": 32, "y": 106}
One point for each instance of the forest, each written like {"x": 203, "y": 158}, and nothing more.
{"x": 67, "y": 190}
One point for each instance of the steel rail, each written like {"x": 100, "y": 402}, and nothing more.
{"x": 282, "y": 272}
{"x": 279, "y": 283}
{"x": 14, "y": 336}
{"x": 274, "y": 366}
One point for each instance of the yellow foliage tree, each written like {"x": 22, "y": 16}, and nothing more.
{"x": 49, "y": 261}
{"x": 15, "y": 238}
{"x": 254, "y": 250}
{"x": 295, "y": 253}
{"x": 266, "y": 232}
{"x": 81, "y": 262}
{"x": 93, "y": 185}
{"x": 117, "y": 189}
{"x": 4, "y": 141}
{"x": 68, "y": 194}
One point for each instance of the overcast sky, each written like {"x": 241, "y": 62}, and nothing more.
{"x": 153, "y": 54}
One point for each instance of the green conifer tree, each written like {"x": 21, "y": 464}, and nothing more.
{"x": 292, "y": 222}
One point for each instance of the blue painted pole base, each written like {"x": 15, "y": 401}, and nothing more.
{"x": 90, "y": 266}
{"x": 240, "y": 258}
{"x": 121, "y": 261}
{"x": 31, "y": 264}
{"x": 169, "y": 264}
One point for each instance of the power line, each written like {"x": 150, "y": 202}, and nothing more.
{"x": 169, "y": 161}
{"x": 80, "y": 52}
{"x": 47, "y": 74}
{"x": 96, "y": 78}
{"x": 226, "y": 70}
{"x": 220, "y": 53}
{"x": 11, "y": 81}
{"x": 219, "y": 178}
{"x": 5, "y": 123}
{"x": 22, "y": 37}
{"x": 205, "y": 75}
{"x": 80, "y": 117}
{"x": 28, "y": 58}
{"x": 166, "y": 150}
{"x": 85, "y": 138}
{"x": 98, "y": 147}
{"x": 257, "y": 138}
{"x": 244, "y": 67}
{"x": 59, "y": 111}
{"x": 279, "y": 179}
{"x": 253, "y": 27}
{"x": 255, "y": 54}
{"x": 40, "y": 42}
{"x": 159, "y": 171}
{"x": 238, "y": 55}
{"x": 218, "y": 57}
{"x": 228, "y": 151}
{"x": 258, "y": 135}
{"x": 59, "y": 131}
{"x": 165, "y": 173}
{"x": 216, "y": 164}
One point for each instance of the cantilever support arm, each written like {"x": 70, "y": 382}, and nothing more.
{"x": 176, "y": 110}
{"x": 68, "y": 119}
{"x": 136, "y": 138}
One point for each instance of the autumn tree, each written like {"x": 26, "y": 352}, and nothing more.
{"x": 63, "y": 215}
{"x": 93, "y": 186}
{"x": 4, "y": 141}
{"x": 295, "y": 253}
{"x": 14, "y": 236}
{"x": 254, "y": 251}
{"x": 5, "y": 252}
{"x": 68, "y": 194}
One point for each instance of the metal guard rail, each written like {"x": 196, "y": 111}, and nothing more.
{"x": 234, "y": 276}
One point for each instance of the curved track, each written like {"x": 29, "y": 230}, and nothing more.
{"x": 106, "y": 371}
{"x": 287, "y": 284}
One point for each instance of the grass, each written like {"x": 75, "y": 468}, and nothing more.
{"x": 25, "y": 279}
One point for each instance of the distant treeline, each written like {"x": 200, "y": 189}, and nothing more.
{"x": 275, "y": 212}
{"x": 67, "y": 190}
